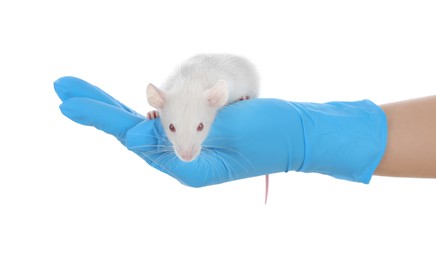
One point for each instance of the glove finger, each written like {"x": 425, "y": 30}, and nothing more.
{"x": 71, "y": 87}
{"x": 106, "y": 117}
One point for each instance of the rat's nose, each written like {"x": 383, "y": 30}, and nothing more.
{"x": 188, "y": 155}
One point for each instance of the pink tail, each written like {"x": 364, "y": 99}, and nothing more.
{"x": 266, "y": 188}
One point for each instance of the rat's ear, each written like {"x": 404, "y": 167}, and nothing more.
{"x": 155, "y": 96}
{"x": 218, "y": 95}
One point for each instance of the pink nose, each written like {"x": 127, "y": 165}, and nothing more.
{"x": 187, "y": 155}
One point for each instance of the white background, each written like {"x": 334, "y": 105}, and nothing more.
{"x": 72, "y": 192}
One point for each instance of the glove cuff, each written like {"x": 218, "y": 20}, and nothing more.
{"x": 345, "y": 140}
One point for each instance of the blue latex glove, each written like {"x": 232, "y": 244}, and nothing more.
{"x": 345, "y": 140}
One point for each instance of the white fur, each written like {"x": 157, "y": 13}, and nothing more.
{"x": 195, "y": 91}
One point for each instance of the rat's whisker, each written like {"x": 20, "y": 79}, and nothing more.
{"x": 153, "y": 153}
{"x": 173, "y": 161}
{"x": 233, "y": 151}
{"x": 142, "y": 134}
{"x": 162, "y": 161}
{"x": 206, "y": 156}
{"x": 210, "y": 160}
{"x": 160, "y": 146}
{"x": 212, "y": 154}
{"x": 226, "y": 157}
{"x": 222, "y": 139}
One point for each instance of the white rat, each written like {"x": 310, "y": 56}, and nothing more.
{"x": 189, "y": 99}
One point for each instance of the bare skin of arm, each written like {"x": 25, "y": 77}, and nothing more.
{"x": 411, "y": 147}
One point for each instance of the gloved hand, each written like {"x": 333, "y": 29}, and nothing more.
{"x": 345, "y": 140}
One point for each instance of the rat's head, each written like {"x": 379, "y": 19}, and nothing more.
{"x": 187, "y": 114}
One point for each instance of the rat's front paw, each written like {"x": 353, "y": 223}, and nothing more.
{"x": 152, "y": 115}
{"x": 244, "y": 98}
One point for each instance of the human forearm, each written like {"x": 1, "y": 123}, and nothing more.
{"x": 411, "y": 147}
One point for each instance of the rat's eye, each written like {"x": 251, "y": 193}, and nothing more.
{"x": 200, "y": 127}
{"x": 172, "y": 128}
